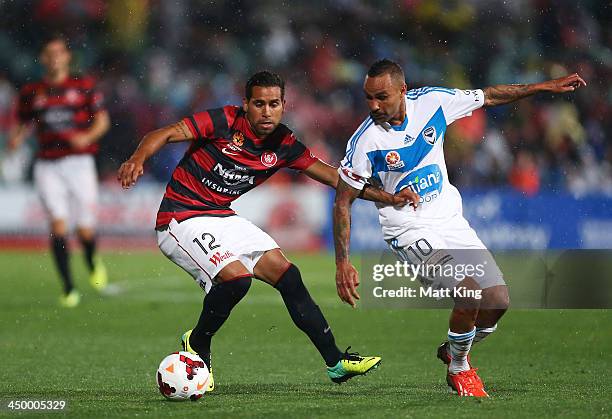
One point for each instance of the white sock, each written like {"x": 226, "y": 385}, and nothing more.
{"x": 460, "y": 344}
{"x": 483, "y": 332}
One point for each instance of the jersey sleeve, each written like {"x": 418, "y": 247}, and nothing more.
{"x": 300, "y": 157}
{"x": 200, "y": 124}
{"x": 457, "y": 103}
{"x": 356, "y": 167}
{"x": 212, "y": 122}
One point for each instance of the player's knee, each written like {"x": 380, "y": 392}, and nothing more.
{"x": 497, "y": 298}
{"x": 290, "y": 281}
{"x": 239, "y": 286}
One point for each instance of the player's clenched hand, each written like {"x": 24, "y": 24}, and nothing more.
{"x": 347, "y": 281}
{"x": 129, "y": 172}
{"x": 406, "y": 196}
{"x": 564, "y": 84}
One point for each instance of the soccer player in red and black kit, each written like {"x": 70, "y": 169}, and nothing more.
{"x": 70, "y": 118}
{"x": 233, "y": 150}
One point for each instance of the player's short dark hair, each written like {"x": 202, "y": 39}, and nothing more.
{"x": 386, "y": 66}
{"x": 264, "y": 79}
{"x": 53, "y": 37}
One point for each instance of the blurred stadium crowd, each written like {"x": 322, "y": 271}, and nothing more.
{"x": 157, "y": 61}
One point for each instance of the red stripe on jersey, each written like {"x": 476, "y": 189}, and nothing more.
{"x": 203, "y": 159}
{"x": 230, "y": 113}
{"x": 171, "y": 194}
{"x": 82, "y": 117}
{"x": 303, "y": 162}
{"x": 45, "y": 137}
{"x": 194, "y": 133}
{"x": 203, "y": 124}
{"x": 164, "y": 218}
{"x": 190, "y": 182}
{"x": 78, "y": 100}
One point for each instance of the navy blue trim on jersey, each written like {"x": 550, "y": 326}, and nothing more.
{"x": 353, "y": 141}
{"x": 219, "y": 121}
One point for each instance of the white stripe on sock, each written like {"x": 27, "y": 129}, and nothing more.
{"x": 460, "y": 344}
{"x": 483, "y": 332}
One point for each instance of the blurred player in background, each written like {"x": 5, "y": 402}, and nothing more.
{"x": 400, "y": 146}
{"x": 234, "y": 149}
{"x": 70, "y": 119}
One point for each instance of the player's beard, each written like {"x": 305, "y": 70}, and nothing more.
{"x": 265, "y": 130}
{"x": 380, "y": 118}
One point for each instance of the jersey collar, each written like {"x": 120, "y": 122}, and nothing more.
{"x": 401, "y": 127}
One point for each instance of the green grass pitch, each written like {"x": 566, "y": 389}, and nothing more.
{"x": 101, "y": 357}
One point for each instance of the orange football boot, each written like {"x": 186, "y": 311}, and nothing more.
{"x": 467, "y": 384}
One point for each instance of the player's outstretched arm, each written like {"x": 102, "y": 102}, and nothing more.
{"x": 328, "y": 175}
{"x": 151, "y": 143}
{"x": 347, "y": 277}
{"x": 506, "y": 93}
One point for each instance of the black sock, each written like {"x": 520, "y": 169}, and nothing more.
{"x": 218, "y": 304}
{"x": 60, "y": 255}
{"x": 89, "y": 250}
{"x": 307, "y": 316}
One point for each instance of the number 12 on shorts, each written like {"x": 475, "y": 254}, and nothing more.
{"x": 211, "y": 240}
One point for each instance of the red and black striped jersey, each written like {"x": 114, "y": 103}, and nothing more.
{"x": 226, "y": 160}
{"x": 60, "y": 110}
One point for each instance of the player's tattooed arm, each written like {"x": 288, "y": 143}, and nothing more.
{"x": 506, "y": 93}
{"x": 328, "y": 175}
{"x": 347, "y": 277}
{"x": 181, "y": 132}
{"x": 151, "y": 143}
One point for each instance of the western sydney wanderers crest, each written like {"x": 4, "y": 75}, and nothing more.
{"x": 394, "y": 160}
{"x": 268, "y": 158}
{"x": 238, "y": 139}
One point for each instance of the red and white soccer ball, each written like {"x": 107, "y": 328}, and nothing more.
{"x": 182, "y": 376}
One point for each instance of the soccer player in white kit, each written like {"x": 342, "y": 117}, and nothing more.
{"x": 400, "y": 145}
{"x": 68, "y": 113}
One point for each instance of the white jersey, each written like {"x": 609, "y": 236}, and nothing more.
{"x": 411, "y": 156}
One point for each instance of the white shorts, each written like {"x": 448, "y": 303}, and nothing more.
{"x": 203, "y": 246}
{"x": 68, "y": 185}
{"x": 455, "y": 248}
